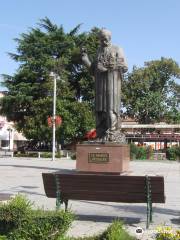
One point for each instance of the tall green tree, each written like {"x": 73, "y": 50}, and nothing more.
{"x": 172, "y": 114}
{"x": 150, "y": 93}
{"x": 29, "y": 100}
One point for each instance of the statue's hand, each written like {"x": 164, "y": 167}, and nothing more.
{"x": 101, "y": 68}
{"x": 122, "y": 68}
{"x": 83, "y": 52}
{"x": 85, "y": 58}
{"x": 125, "y": 69}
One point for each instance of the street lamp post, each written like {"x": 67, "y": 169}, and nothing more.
{"x": 52, "y": 74}
{"x": 10, "y": 131}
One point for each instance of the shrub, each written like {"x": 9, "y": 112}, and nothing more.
{"x": 43, "y": 225}
{"x": 170, "y": 154}
{"x": 167, "y": 233}
{"x": 18, "y": 221}
{"x": 49, "y": 155}
{"x": 3, "y": 238}
{"x": 73, "y": 156}
{"x": 177, "y": 152}
{"x": 13, "y": 213}
{"x": 116, "y": 232}
{"x": 173, "y": 153}
{"x": 133, "y": 151}
{"x": 35, "y": 154}
{"x": 46, "y": 155}
{"x": 140, "y": 152}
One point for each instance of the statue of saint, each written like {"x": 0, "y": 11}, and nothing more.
{"x": 108, "y": 69}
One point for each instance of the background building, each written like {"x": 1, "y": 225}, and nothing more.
{"x": 10, "y": 139}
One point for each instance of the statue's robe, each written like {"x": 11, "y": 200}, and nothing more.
{"x": 108, "y": 83}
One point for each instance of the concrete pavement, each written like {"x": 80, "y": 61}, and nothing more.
{"x": 21, "y": 175}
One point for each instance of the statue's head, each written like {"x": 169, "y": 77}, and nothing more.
{"x": 105, "y": 37}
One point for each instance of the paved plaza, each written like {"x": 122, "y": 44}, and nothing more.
{"x": 20, "y": 175}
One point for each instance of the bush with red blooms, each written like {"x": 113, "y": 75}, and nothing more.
{"x": 91, "y": 134}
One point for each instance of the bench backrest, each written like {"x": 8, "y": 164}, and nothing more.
{"x": 99, "y": 187}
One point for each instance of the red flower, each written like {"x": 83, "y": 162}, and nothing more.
{"x": 91, "y": 134}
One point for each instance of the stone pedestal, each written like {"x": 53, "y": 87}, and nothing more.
{"x": 102, "y": 158}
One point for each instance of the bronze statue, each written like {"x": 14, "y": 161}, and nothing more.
{"x": 108, "y": 69}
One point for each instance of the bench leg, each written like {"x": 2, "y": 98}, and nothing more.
{"x": 148, "y": 216}
{"x": 58, "y": 201}
{"x": 149, "y": 202}
{"x": 150, "y": 205}
{"x": 58, "y": 194}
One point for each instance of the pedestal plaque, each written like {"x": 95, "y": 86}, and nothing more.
{"x": 98, "y": 158}
{"x": 103, "y": 158}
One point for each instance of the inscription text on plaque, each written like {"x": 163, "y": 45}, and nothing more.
{"x": 98, "y": 157}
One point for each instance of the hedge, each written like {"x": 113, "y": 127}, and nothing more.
{"x": 19, "y": 221}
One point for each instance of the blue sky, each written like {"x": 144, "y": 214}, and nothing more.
{"x": 146, "y": 29}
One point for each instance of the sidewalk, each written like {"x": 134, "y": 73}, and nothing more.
{"x": 23, "y": 176}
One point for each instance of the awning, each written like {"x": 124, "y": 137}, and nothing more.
{"x": 4, "y": 134}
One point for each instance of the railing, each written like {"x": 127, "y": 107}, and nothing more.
{"x": 175, "y": 137}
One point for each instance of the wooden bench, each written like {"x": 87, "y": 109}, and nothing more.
{"x": 108, "y": 188}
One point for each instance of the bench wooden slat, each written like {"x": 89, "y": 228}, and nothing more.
{"x": 98, "y": 179}
{"x": 107, "y": 196}
{"x": 101, "y": 182}
{"x": 113, "y": 186}
{"x": 106, "y": 177}
{"x": 103, "y": 197}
